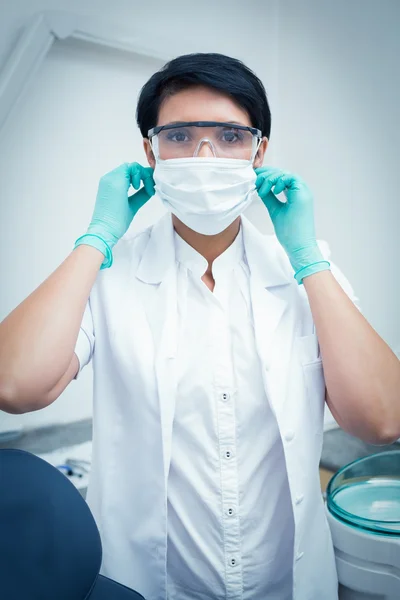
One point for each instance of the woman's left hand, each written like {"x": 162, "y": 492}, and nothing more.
{"x": 293, "y": 220}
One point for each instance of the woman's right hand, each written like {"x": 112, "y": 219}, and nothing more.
{"x": 114, "y": 210}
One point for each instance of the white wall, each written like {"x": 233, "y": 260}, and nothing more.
{"x": 338, "y": 126}
{"x": 332, "y": 78}
{"x": 76, "y": 123}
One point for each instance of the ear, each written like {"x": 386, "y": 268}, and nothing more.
{"x": 259, "y": 159}
{"x": 149, "y": 153}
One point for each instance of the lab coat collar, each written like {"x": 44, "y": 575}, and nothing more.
{"x": 189, "y": 257}
{"x": 267, "y": 270}
{"x": 265, "y": 256}
{"x": 159, "y": 254}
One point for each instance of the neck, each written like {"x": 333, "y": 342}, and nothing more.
{"x": 209, "y": 246}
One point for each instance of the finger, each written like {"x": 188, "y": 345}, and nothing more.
{"x": 135, "y": 175}
{"x": 272, "y": 203}
{"x": 280, "y": 185}
{"x": 276, "y": 175}
{"x": 148, "y": 181}
{"x": 284, "y": 181}
{"x": 138, "y": 199}
{"x": 266, "y": 169}
{"x": 290, "y": 183}
{"x": 149, "y": 187}
{"x": 266, "y": 175}
{"x": 260, "y": 179}
{"x": 265, "y": 188}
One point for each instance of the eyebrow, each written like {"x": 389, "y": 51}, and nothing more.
{"x": 226, "y": 121}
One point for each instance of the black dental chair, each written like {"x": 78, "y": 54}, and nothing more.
{"x": 50, "y": 546}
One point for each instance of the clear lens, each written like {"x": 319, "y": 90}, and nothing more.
{"x": 221, "y": 141}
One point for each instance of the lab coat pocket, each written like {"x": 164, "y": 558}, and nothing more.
{"x": 314, "y": 381}
{"x": 308, "y": 349}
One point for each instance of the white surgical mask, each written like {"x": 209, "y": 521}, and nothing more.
{"x": 207, "y": 194}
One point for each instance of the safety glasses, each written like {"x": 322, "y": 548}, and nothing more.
{"x": 185, "y": 139}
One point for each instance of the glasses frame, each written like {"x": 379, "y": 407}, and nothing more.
{"x": 159, "y": 128}
{"x": 155, "y": 130}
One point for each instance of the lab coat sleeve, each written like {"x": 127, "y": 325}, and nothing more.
{"x": 84, "y": 346}
{"x": 339, "y": 275}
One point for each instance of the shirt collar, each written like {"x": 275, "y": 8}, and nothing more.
{"x": 268, "y": 262}
{"x": 195, "y": 262}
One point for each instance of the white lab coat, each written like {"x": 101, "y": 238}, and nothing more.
{"x": 129, "y": 329}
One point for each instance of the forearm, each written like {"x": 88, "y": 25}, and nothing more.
{"x": 362, "y": 374}
{"x": 37, "y": 338}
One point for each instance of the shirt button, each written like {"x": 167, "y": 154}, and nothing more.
{"x": 289, "y": 435}
{"x": 230, "y": 511}
{"x": 299, "y": 498}
{"x": 232, "y": 562}
{"x": 225, "y": 396}
{"x": 228, "y": 454}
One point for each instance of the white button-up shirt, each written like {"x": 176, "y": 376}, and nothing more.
{"x": 173, "y": 394}
{"x": 230, "y": 519}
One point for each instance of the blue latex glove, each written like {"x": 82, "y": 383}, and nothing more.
{"x": 114, "y": 209}
{"x": 293, "y": 220}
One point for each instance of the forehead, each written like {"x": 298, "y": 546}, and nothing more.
{"x": 201, "y": 104}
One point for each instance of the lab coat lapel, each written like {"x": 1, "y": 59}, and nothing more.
{"x": 270, "y": 284}
{"x": 270, "y": 280}
{"x": 158, "y": 270}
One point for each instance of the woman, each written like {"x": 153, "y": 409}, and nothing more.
{"x": 214, "y": 349}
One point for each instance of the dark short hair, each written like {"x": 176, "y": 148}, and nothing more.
{"x": 224, "y": 73}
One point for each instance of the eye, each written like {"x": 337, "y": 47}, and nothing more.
{"x": 232, "y": 135}
{"x": 177, "y": 136}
